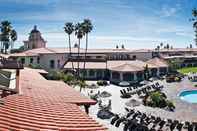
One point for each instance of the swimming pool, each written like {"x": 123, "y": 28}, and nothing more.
{"x": 189, "y": 96}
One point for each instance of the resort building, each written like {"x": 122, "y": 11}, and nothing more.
{"x": 184, "y": 57}
{"x": 117, "y": 71}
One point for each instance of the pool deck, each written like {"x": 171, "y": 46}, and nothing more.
{"x": 184, "y": 111}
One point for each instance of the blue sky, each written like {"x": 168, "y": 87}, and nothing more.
{"x": 134, "y": 23}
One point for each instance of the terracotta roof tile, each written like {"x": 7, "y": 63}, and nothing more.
{"x": 45, "y": 105}
{"x": 157, "y": 62}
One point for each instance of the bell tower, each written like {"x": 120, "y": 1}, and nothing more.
{"x": 35, "y": 40}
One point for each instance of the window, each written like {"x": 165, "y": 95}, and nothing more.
{"x": 128, "y": 76}
{"x": 38, "y": 60}
{"x": 31, "y": 60}
{"x": 58, "y": 63}
{"x": 92, "y": 73}
{"x": 134, "y": 57}
{"x": 23, "y": 60}
{"x": 115, "y": 75}
{"x": 52, "y": 64}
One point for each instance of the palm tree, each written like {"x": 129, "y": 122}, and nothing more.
{"x": 79, "y": 33}
{"x": 13, "y": 36}
{"x": 161, "y": 44}
{"x": 194, "y": 13}
{"x": 69, "y": 29}
{"x": 87, "y": 28}
{"x": 82, "y": 84}
{"x": 7, "y": 34}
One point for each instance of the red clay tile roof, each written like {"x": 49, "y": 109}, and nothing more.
{"x": 45, "y": 105}
{"x": 127, "y": 65}
{"x": 157, "y": 62}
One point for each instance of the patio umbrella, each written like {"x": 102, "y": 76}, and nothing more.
{"x": 105, "y": 94}
{"x": 124, "y": 83}
{"x": 132, "y": 103}
{"x": 144, "y": 82}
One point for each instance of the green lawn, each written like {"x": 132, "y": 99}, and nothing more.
{"x": 187, "y": 70}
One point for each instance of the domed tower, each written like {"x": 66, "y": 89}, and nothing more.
{"x": 35, "y": 40}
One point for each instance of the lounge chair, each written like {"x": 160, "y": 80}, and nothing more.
{"x": 179, "y": 126}
{"x": 119, "y": 121}
{"x": 114, "y": 119}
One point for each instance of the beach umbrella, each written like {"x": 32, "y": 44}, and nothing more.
{"x": 132, "y": 103}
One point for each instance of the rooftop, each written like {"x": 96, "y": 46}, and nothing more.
{"x": 45, "y": 105}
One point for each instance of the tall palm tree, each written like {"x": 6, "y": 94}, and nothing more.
{"x": 69, "y": 29}
{"x": 194, "y": 13}
{"x": 14, "y": 37}
{"x": 79, "y": 33}
{"x": 8, "y": 35}
{"x": 87, "y": 28}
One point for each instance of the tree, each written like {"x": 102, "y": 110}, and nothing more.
{"x": 167, "y": 46}
{"x": 79, "y": 33}
{"x": 117, "y": 47}
{"x": 161, "y": 44}
{"x": 146, "y": 72}
{"x": 87, "y": 28}
{"x": 82, "y": 84}
{"x": 13, "y": 36}
{"x": 190, "y": 46}
{"x": 175, "y": 64}
{"x": 122, "y": 46}
{"x": 69, "y": 29}
{"x": 194, "y": 19}
{"x": 8, "y": 35}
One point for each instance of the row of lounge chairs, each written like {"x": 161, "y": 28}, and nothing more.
{"x": 138, "y": 121}
{"x": 140, "y": 91}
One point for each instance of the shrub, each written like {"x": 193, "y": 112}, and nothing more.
{"x": 55, "y": 75}
{"x": 69, "y": 78}
{"x": 102, "y": 83}
{"x": 177, "y": 79}
{"x": 170, "y": 105}
{"x": 158, "y": 99}
{"x": 35, "y": 66}
{"x": 195, "y": 85}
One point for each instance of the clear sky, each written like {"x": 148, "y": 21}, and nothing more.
{"x": 134, "y": 23}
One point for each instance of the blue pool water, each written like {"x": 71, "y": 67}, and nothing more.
{"x": 189, "y": 96}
